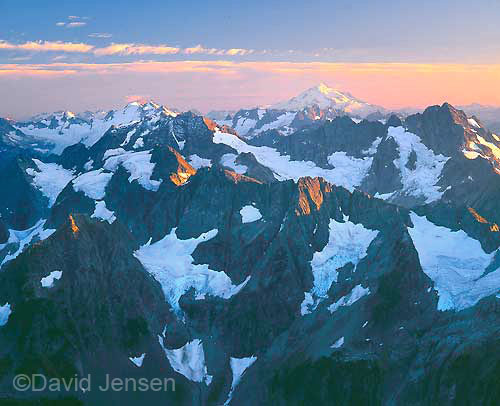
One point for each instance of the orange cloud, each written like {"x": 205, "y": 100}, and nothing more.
{"x": 137, "y": 98}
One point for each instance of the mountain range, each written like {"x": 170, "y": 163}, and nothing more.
{"x": 319, "y": 251}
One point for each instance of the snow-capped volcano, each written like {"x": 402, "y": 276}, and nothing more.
{"x": 326, "y": 97}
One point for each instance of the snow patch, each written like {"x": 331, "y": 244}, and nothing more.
{"x": 48, "y": 281}
{"x": 197, "y": 162}
{"x": 139, "y": 143}
{"x": 5, "y": 313}
{"x": 137, "y": 361}
{"x": 339, "y": 343}
{"x": 138, "y": 164}
{"x": 473, "y": 123}
{"x": 92, "y": 183}
{"x": 128, "y": 137}
{"x": 249, "y": 214}
{"x": 374, "y": 147}
{"x": 101, "y": 212}
{"x": 422, "y": 180}
{"x": 494, "y": 149}
{"x": 50, "y": 179}
{"x": 238, "y": 368}
{"x": 24, "y": 237}
{"x": 170, "y": 262}
{"x": 347, "y": 243}
{"x": 283, "y": 120}
{"x": 229, "y": 161}
{"x": 189, "y": 361}
{"x": 244, "y": 125}
{"x": 349, "y": 170}
{"x": 88, "y": 165}
{"x": 353, "y": 296}
{"x": 455, "y": 262}
{"x": 113, "y": 152}
{"x": 470, "y": 154}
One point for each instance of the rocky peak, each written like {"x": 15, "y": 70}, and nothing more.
{"x": 171, "y": 165}
{"x": 311, "y": 194}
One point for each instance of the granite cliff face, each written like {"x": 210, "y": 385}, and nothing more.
{"x": 349, "y": 261}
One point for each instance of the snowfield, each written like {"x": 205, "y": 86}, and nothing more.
{"x": 170, "y": 262}
{"x": 92, "y": 183}
{"x": 197, "y": 162}
{"x": 348, "y": 171}
{"x": 229, "y": 161}
{"x": 238, "y": 368}
{"x": 282, "y": 121}
{"x": 422, "y": 180}
{"x": 455, "y": 262}
{"x": 189, "y": 361}
{"x": 50, "y": 179}
{"x": 348, "y": 243}
{"x": 70, "y": 130}
{"x": 138, "y": 164}
{"x": 22, "y": 238}
{"x": 244, "y": 125}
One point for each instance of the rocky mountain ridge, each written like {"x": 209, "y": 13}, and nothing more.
{"x": 361, "y": 258}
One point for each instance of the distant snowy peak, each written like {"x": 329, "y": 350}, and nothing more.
{"x": 138, "y": 111}
{"x": 62, "y": 129}
{"x": 326, "y": 97}
{"x": 57, "y": 115}
{"x": 221, "y": 114}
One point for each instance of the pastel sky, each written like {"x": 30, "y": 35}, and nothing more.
{"x": 226, "y": 54}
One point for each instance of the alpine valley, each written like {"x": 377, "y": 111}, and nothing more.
{"x": 320, "y": 251}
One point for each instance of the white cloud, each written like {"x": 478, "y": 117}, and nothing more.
{"x": 76, "y": 24}
{"x": 44, "y": 46}
{"x": 136, "y": 49}
{"x": 119, "y": 48}
{"x": 100, "y": 35}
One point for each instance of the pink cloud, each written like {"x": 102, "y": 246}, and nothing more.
{"x": 137, "y": 98}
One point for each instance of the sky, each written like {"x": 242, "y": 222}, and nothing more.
{"x": 218, "y": 54}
